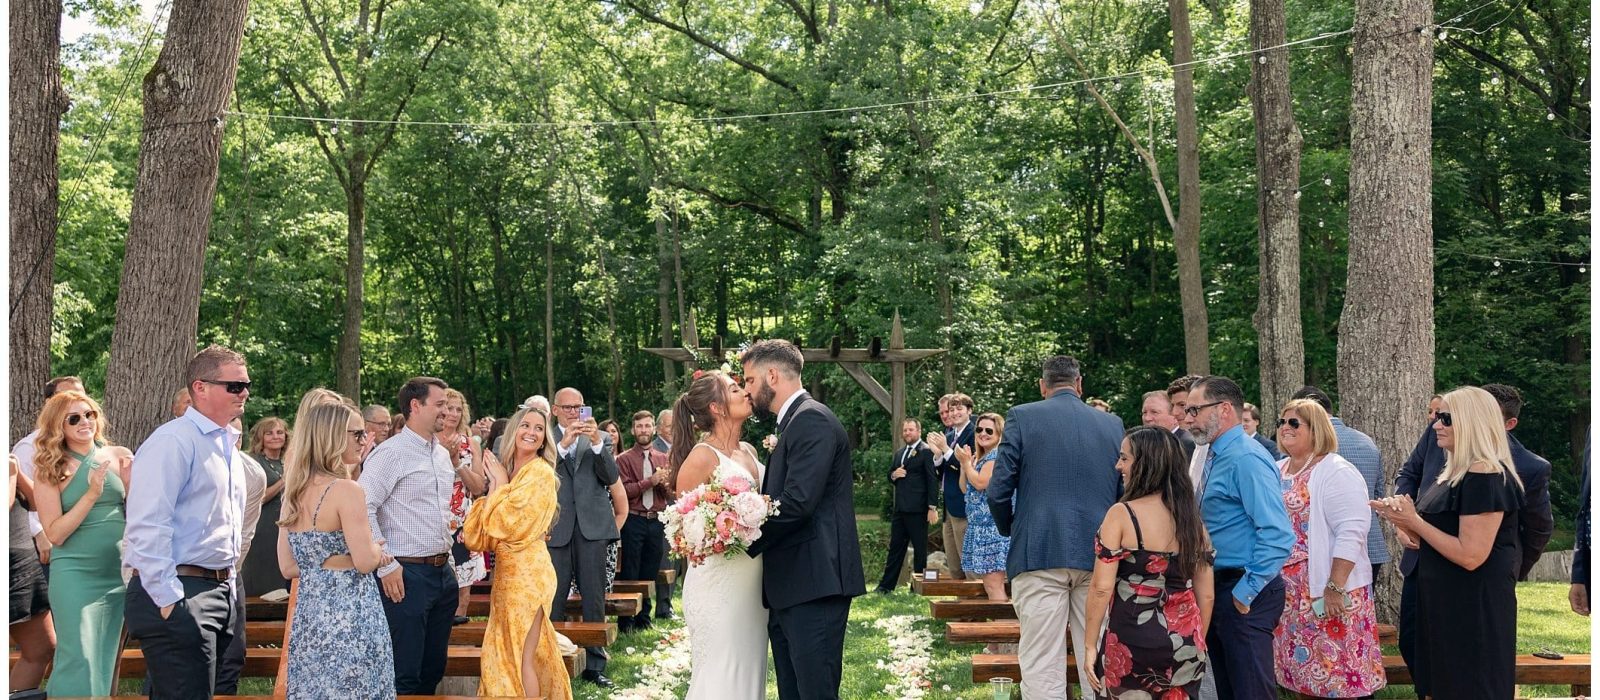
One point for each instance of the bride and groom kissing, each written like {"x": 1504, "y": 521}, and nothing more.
{"x": 794, "y": 584}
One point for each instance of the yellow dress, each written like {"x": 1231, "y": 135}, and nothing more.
{"x": 512, "y": 521}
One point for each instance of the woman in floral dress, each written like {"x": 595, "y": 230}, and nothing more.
{"x": 984, "y": 550}
{"x": 1152, "y": 551}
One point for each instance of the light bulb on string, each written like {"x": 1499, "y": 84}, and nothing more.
{"x": 1261, "y": 59}
{"x": 1327, "y": 181}
{"x": 1497, "y": 262}
{"x": 1495, "y": 80}
{"x": 1550, "y": 116}
{"x": 1297, "y": 194}
{"x": 1583, "y": 269}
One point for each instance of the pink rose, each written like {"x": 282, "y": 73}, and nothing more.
{"x": 725, "y": 522}
{"x": 712, "y": 497}
{"x": 736, "y": 484}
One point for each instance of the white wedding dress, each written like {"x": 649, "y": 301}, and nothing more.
{"x": 726, "y": 621}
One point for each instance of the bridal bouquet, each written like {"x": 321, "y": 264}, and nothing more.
{"x": 717, "y": 518}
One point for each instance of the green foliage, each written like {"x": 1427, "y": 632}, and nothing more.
{"x": 810, "y": 226}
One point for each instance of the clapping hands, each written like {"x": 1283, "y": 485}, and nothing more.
{"x": 964, "y": 455}
{"x": 937, "y": 442}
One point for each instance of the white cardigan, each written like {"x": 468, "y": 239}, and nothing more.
{"x": 1340, "y": 518}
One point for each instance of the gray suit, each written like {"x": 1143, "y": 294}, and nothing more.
{"x": 586, "y": 525}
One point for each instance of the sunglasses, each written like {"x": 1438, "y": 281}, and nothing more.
{"x": 76, "y": 418}
{"x": 359, "y": 435}
{"x": 1195, "y": 410}
{"x": 230, "y": 387}
{"x": 985, "y": 431}
{"x": 1291, "y": 422}
{"x": 1444, "y": 418}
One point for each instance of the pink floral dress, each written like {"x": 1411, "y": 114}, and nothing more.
{"x": 1323, "y": 657}
{"x": 1153, "y": 647}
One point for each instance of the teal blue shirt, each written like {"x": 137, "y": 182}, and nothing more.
{"x": 1242, "y": 506}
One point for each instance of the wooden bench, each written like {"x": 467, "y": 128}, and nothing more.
{"x": 262, "y": 662}
{"x": 667, "y": 576}
{"x": 584, "y": 634}
{"x": 972, "y": 609}
{"x": 625, "y": 604}
{"x": 1572, "y": 671}
{"x": 1010, "y": 632}
{"x": 968, "y": 588}
{"x": 644, "y": 588}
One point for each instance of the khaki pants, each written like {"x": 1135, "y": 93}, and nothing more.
{"x": 954, "y": 531}
{"x": 1049, "y": 602}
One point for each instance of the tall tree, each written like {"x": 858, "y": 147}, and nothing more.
{"x": 1386, "y": 330}
{"x": 37, "y": 103}
{"x": 163, "y": 267}
{"x": 1191, "y": 291}
{"x": 1280, "y": 346}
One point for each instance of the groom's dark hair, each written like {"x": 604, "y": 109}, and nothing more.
{"x": 778, "y": 352}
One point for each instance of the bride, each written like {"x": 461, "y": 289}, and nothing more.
{"x": 722, "y": 607}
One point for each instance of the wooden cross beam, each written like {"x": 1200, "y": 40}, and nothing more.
{"x": 897, "y": 356}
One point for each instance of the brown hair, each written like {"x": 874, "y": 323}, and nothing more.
{"x": 205, "y": 363}
{"x": 258, "y": 435}
{"x": 1160, "y": 467}
{"x": 1315, "y": 420}
{"x": 55, "y": 383}
{"x": 999, "y": 430}
{"x": 691, "y": 415}
{"x": 641, "y": 415}
{"x": 49, "y": 462}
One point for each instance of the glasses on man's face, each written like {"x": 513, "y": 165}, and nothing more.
{"x": 1444, "y": 418}
{"x": 985, "y": 431}
{"x": 1293, "y": 423}
{"x": 569, "y": 407}
{"x": 230, "y": 387}
{"x": 1193, "y": 411}
{"x": 359, "y": 435}
{"x": 76, "y": 418}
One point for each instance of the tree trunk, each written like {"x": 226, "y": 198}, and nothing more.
{"x": 158, "y": 300}
{"x": 355, "y": 265}
{"x": 37, "y": 103}
{"x": 1196, "y": 331}
{"x": 1386, "y": 329}
{"x": 663, "y": 295}
{"x": 1280, "y": 344}
{"x": 550, "y": 313}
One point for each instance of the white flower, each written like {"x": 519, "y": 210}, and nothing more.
{"x": 751, "y": 509}
{"x": 694, "y": 531}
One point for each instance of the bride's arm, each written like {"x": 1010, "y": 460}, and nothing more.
{"x": 696, "y": 469}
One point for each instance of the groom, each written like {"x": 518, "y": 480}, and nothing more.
{"x": 813, "y": 567}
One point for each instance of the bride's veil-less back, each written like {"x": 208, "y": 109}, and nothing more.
{"x": 726, "y": 621}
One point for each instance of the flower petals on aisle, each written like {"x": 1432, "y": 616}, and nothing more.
{"x": 910, "y": 657}
{"x": 665, "y": 673}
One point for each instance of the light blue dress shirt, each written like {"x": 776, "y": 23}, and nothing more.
{"x": 185, "y": 505}
{"x": 1242, "y": 506}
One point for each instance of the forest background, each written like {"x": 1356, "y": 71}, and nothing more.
{"x": 618, "y": 202}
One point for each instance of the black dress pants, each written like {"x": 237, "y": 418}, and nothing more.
{"x": 584, "y": 559}
{"x": 644, "y": 549}
{"x": 808, "y": 647}
{"x": 906, "y": 527}
{"x": 183, "y": 651}
{"x": 419, "y": 626}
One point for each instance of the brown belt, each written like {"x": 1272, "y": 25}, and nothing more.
{"x": 202, "y": 572}
{"x": 435, "y": 560}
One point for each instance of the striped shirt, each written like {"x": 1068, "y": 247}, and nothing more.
{"x": 1359, "y": 450}
{"x": 408, "y": 480}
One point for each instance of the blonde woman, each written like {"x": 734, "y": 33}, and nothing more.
{"x": 984, "y": 550}
{"x": 511, "y": 522}
{"x": 1465, "y": 531}
{"x": 269, "y": 438}
{"x": 470, "y": 460}
{"x": 79, "y": 489}
{"x": 339, "y": 642}
{"x": 1329, "y": 617}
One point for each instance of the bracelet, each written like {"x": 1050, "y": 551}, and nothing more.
{"x": 1336, "y": 588}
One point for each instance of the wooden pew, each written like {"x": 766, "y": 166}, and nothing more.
{"x": 967, "y": 588}
{"x": 585, "y": 634}
{"x": 262, "y": 662}
{"x": 627, "y": 604}
{"x": 1572, "y": 671}
{"x": 667, "y": 576}
{"x": 1010, "y": 632}
{"x": 644, "y": 588}
{"x": 972, "y": 609}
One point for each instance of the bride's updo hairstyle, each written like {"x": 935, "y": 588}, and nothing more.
{"x": 691, "y": 416}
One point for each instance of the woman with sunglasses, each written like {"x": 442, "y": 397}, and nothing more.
{"x": 1465, "y": 531}
{"x": 79, "y": 489}
{"x": 984, "y": 549}
{"x": 1326, "y": 642}
{"x": 339, "y": 640}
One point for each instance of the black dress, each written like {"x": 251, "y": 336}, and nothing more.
{"x": 1467, "y": 620}
{"x": 1153, "y": 647}
{"x": 261, "y": 574}
{"x": 30, "y": 591}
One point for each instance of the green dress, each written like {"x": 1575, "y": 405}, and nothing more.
{"x": 86, "y": 589}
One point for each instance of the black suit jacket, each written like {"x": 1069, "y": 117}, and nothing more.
{"x": 1187, "y": 440}
{"x": 584, "y": 493}
{"x": 1580, "y": 548}
{"x": 1534, "y": 521}
{"x": 812, "y": 548}
{"x": 918, "y": 490}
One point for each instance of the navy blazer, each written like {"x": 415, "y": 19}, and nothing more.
{"x": 955, "y": 504}
{"x": 1054, "y": 480}
{"x": 1534, "y": 521}
{"x": 1580, "y": 547}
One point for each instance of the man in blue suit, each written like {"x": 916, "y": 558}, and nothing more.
{"x": 1054, "y": 480}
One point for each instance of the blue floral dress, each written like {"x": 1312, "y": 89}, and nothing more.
{"x": 339, "y": 646}
{"x": 984, "y": 549}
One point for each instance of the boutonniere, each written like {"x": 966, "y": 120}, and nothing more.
{"x": 770, "y": 441}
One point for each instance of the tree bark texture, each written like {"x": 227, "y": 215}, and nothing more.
{"x": 1196, "y": 330}
{"x": 37, "y": 103}
{"x": 158, "y": 300}
{"x": 1386, "y": 329}
{"x": 348, "y": 365}
{"x": 1281, "y": 346}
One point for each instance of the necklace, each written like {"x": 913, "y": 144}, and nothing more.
{"x": 1303, "y": 464}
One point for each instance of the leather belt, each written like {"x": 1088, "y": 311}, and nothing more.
{"x": 649, "y": 515}
{"x": 202, "y": 572}
{"x": 435, "y": 560}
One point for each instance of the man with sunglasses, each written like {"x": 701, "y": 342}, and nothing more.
{"x": 185, "y": 532}
{"x": 1242, "y": 506}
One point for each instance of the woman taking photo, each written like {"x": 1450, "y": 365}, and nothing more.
{"x": 1152, "y": 550}
{"x": 1465, "y": 531}
{"x": 268, "y": 438}
{"x": 1326, "y": 643}
{"x": 984, "y": 549}
{"x": 79, "y": 490}
{"x": 339, "y": 643}
{"x": 511, "y": 522}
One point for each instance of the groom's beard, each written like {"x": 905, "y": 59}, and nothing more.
{"x": 763, "y": 402}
